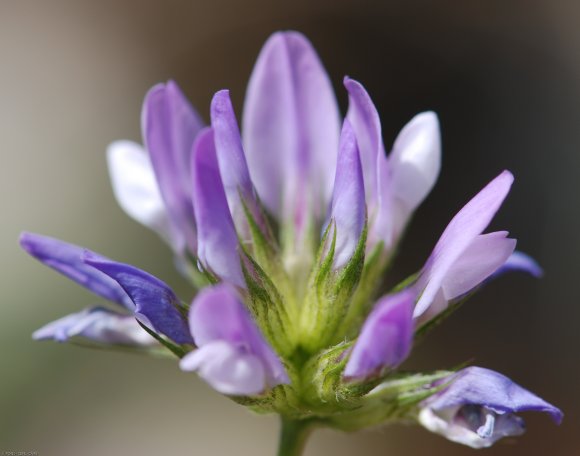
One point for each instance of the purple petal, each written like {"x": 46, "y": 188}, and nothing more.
{"x": 415, "y": 160}
{"x": 469, "y": 222}
{"x": 477, "y": 408}
{"x": 231, "y": 158}
{"x": 217, "y": 315}
{"x": 519, "y": 261}
{"x": 170, "y": 125}
{"x": 227, "y": 369}
{"x": 385, "y": 339}
{"x": 348, "y": 210}
{"x": 366, "y": 124}
{"x": 218, "y": 246}
{"x": 99, "y": 325}
{"x": 156, "y": 306}
{"x": 291, "y": 126}
{"x": 68, "y": 260}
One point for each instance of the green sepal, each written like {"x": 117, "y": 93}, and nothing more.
{"x": 178, "y": 350}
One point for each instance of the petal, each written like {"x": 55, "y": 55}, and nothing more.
{"x": 385, "y": 339}
{"x": 99, "y": 325}
{"x": 519, "y": 261}
{"x": 291, "y": 125}
{"x": 469, "y": 222}
{"x": 479, "y": 386}
{"x": 68, "y": 260}
{"x": 415, "y": 160}
{"x": 135, "y": 187}
{"x": 366, "y": 124}
{"x": 348, "y": 210}
{"x": 226, "y": 369}
{"x": 232, "y": 162}
{"x": 156, "y": 305}
{"x": 485, "y": 255}
{"x": 218, "y": 246}
{"x": 217, "y": 314}
{"x": 170, "y": 125}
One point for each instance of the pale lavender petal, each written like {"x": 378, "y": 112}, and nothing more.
{"x": 291, "y": 126}
{"x": 385, "y": 339}
{"x": 485, "y": 255}
{"x": 218, "y": 246}
{"x": 170, "y": 125}
{"x": 156, "y": 305}
{"x": 68, "y": 260}
{"x": 227, "y": 369}
{"x": 217, "y": 314}
{"x": 98, "y": 325}
{"x": 477, "y": 408}
{"x": 469, "y": 222}
{"x": 415, "y": 160}
{"x": 366, "y": 124}
{"x": 232, "y": 162}
{"x": 519, "y": 261}
{"x": 348, "y": 210}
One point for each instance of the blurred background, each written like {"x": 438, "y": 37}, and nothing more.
{"x": 504, "y": 77}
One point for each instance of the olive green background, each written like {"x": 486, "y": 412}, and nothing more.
{"x": 504, "y": 77}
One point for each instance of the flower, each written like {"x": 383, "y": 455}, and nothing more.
{"x": 286, "y": 228}
{"x": 477, "y": 407}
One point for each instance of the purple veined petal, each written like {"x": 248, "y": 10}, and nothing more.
{"x": 415, "y": 160}
{"x": 385, "y": 339}
{"x": 217, "y": 315}
{"x": 477, "y": 408}
{"x": 218, "y": 246}
{"x": 156, "y": 306}
{"x": 348, "y": 209}
{"x": 99, "y": 325}
{"x": 231, "y": 159}
{"x": 67, "y": 259}
{"x": 137, "y": 192}
{"x": 291, "y": 126}
{"x": 227, "y": 369}
{"x": 520, "y": 261}
{"x": 170, "y": 126}
{"x": 469, "y": 222}
{"x": 366, "y": 124}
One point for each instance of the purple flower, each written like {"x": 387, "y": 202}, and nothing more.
{"x": 477, "y": 407}
{"x": 385, "y": 339}
{"x": 233, "y": 356}
{"x": 395, "y": 185}
{"x": 463, "y": 257}
{"x": 153, "y": 185}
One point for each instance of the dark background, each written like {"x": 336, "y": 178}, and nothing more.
{"x": 503, "y": 77}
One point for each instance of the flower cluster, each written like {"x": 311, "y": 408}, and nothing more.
{"x": 286, "y": 230}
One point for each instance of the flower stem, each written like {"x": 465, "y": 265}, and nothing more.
{"x": 293, "y": 436}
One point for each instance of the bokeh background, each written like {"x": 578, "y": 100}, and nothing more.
{"x": 504, "y": 77}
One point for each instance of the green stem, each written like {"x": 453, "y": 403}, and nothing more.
{"x": 293, "y": 436}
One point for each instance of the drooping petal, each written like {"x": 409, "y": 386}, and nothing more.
{"x": 469, "y": 222}
{"x": 385, "y": 339}
{"x": 231, "y": 159}
{"x": 477, "y": 408}
{"x": 136, "y": 189}
{"x": 291, "y": 126}
{"x": 68, "y": 260}
{"x": 227, "y": 369}
{"x": 98, "y": 325}
{"x": 156, "y": 306}
{"x": 170, "y": 125}
{"x": 348, "y": 210}
{"x": 218, "y": 246}
{"x": 520, "y": 261}
{"x": 415, "y": 160}
{"x": 217, "y": 315}
{"x": 365, "y": 121}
